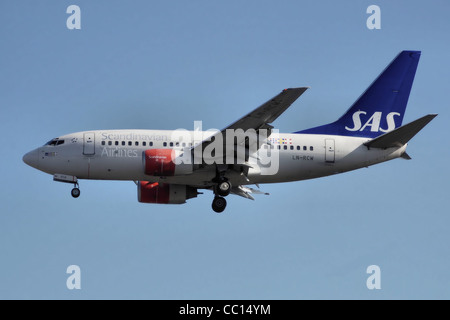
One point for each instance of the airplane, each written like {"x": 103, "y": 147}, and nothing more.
{"x": 171, "y": 166}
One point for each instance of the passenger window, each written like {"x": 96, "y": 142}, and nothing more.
{"x": 171, "y": 144}
{"x": 109, "y": 143}
{"x": 304, "y": 148}
{"x": 311, "y": 148}
{"x": 123, "y": 143}
{"x": 298, "y": 148}
{"x": 136, "y": 143}
{"x": 151, "y": 143}
{"x": 279, "y": 147}
{"x": 130, "y": 143}
{"x": 177, "y": 144}
{"x": 184, "y": 144}
{"x": 165, "y": 144}
{"x": 292, "y": 147}
{"x": 285, "y": 147}
{"x": 103, "y": 143}
{"x": 116, "y": 143}
{"x": 144, "y": 143}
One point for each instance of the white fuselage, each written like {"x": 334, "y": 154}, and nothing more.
{"x": 118, "y": 155}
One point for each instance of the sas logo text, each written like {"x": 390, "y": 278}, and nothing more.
{"x": 373, "y": 122}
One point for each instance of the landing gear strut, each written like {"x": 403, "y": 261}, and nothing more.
{"x": 75, "y": 191}
{"x": 219, "y": 204}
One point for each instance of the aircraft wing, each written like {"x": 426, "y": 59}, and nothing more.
{"x": 267, "y": 113}
{"x": 258, "y": 119}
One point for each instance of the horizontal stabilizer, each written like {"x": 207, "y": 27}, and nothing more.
{"x": 400, "y": 136}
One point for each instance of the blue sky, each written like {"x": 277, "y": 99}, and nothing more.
{"x": 163, "y": 65}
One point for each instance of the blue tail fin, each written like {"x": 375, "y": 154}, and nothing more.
{"x": 381, "y": 107}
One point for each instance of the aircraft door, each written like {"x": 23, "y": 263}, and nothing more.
{"x": 329, "y": 151}
{"x": 89, "y": 144}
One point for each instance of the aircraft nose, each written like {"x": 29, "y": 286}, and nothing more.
{"x": 32, "y": 158}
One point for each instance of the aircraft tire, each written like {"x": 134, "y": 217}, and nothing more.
{"x": 219, "y": 204}
{"x": 224, "y": 188}
{"x": 75, "y": 192}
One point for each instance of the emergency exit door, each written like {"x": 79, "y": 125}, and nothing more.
{"x": 329, "y": 151}
{"x": 89, "y": 144}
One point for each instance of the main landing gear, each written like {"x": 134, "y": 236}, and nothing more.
{"x": 222, "y": 189}
{"x": 219, "y": 204}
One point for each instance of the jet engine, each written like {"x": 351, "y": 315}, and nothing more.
{"x": 166, "y": 162}
{"x": 163, "y": 193}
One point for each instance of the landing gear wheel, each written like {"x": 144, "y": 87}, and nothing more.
{"x": 219, "y": 204}
{"x": 75, "y": 192}
{"x": 224, "y": 188}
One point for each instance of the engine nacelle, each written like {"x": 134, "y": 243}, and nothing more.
{"x": 149, "y": 192}
{"x": 166, "y": 162}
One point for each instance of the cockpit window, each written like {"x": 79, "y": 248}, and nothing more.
{"x": 55, "y": 142}
{"x": 52, "y": 142}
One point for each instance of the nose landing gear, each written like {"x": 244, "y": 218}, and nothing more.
{"x": 69, "y": 179}
{"x": 75, "y": 191}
